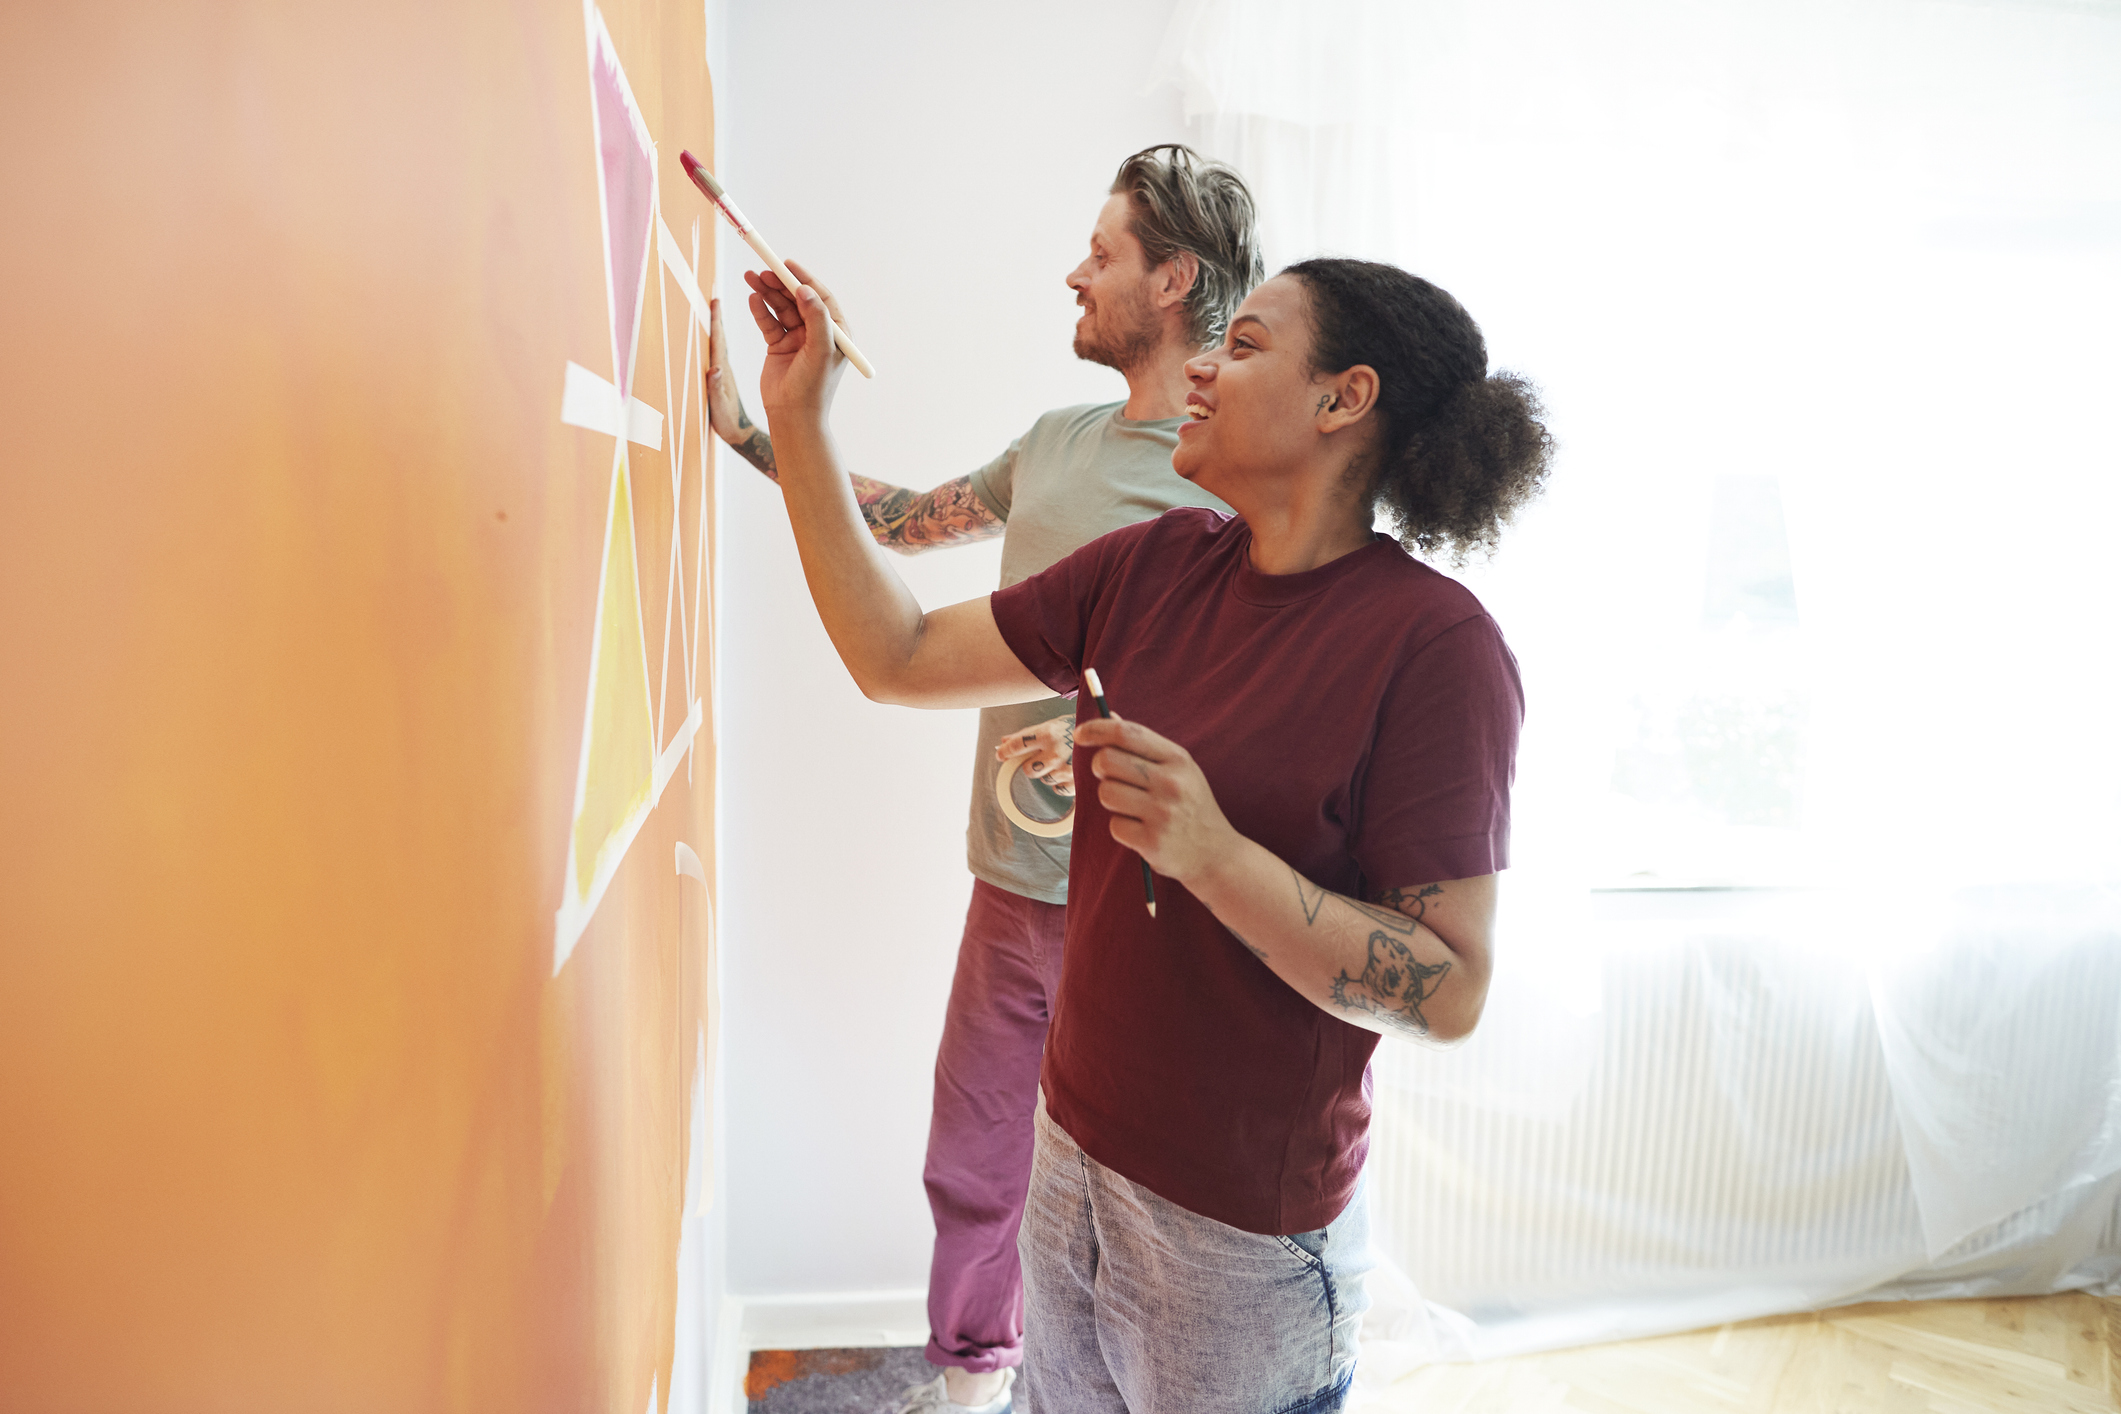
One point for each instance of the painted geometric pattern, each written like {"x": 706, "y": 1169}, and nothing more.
{"x": 631, "y": 745}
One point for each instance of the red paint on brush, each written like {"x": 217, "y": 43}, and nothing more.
{"x": 704, "y": 180}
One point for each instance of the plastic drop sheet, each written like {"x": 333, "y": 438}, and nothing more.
{"x": 1681, "y": 1110}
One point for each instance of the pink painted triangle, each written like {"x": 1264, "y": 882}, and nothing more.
{"x": 626, "y": 166}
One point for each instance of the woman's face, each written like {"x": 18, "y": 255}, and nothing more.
{"x": 1254, "y": 403}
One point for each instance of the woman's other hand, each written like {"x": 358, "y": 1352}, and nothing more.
{"x": 1160, "y": 802}
{"x": 1051, "y": 747}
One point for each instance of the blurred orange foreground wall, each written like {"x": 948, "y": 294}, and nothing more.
{"x": 345, "y": 690}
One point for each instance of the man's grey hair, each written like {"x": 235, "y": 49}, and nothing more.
{"x": 1180, "y": 202}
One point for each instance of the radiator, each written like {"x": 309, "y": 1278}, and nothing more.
{"x": 1703, "y": 1110}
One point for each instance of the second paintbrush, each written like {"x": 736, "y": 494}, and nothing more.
{"x": 1097, "y": 691}
{"x": 704, "y": 180}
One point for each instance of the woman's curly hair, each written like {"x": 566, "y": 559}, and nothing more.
{"x": 1463, "y": 451}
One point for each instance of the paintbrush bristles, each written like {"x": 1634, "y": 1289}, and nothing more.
{"x": 704, "y": 180}
{"x": 700, "y": 175}
{"x": 1097, "y": 689}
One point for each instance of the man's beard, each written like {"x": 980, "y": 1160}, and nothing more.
{"x": 1129, "y": 346}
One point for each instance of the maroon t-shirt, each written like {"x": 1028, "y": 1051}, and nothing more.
{"x": 1359, "y": 720}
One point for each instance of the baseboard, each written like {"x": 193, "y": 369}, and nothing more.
{"x": 827, "y": 1320}
{"x": 807, "y": 1321}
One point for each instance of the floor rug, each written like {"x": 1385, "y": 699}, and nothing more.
{"x": 832, "y": 1381}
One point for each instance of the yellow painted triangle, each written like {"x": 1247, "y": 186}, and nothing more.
{"x": 621, "y": 767}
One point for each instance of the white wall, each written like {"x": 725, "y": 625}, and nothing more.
{"x": 939, "y": 167}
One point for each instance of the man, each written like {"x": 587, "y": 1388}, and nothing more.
{"x": 1173, "y": 251}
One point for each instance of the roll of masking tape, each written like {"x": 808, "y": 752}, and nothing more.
{"x": 1044, "y": 829}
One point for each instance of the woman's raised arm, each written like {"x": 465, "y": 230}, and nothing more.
{"x": 954, "y": 657}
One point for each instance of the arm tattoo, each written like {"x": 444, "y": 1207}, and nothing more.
{"x": 1246, "y": 943}
{"x": 951, "y": 514}
{"x": 1412, "y": 902}
{"x": 1313, "y": 898}
{"x": 1397, "y": 922}
{"x": 1392, "y": 987}
{"x": 884, "y": 507}
{"x": 1393, "y": 983}
{"x": 1311, "y": 901}
{"x": 754, "y": 446}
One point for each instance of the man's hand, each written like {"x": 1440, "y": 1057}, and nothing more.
{"x": 1051, "y": 747}
{"x": 1161, "y": 805}
{"x": 725, "y": 408}
{"x": 802, "y": 366}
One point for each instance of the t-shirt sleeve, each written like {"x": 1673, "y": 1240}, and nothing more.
{"x": 995, "y": 483}
{"x": 1046, "y": 619}
{"x": 1435, "y": 799}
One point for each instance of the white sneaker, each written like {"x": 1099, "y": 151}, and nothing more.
{"x": 934, "y": 1398}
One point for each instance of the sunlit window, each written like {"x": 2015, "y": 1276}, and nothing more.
{"x": 1823, "y": 299}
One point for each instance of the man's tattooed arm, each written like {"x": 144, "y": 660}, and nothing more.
{"x": 906, "y": 521}
{"x": 903, "y": 520}
{"x": 754, "y": 446}
{"x": 910, "y": 522}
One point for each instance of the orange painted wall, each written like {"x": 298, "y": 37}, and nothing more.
{"x": 298, "y": 570}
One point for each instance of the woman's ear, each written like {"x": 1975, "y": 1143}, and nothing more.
{"x": 1347, "y": 399}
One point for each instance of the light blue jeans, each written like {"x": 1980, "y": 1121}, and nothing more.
{"x": 1134, "y": 1305}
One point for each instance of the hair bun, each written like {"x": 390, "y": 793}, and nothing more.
{"x": 1463, "y": 450}
{"x": 1468, "y": 471}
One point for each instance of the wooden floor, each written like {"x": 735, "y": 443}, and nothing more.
{"x": 2052, "y": 1354}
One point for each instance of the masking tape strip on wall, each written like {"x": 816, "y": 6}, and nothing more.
{"x": 593, "y": 402}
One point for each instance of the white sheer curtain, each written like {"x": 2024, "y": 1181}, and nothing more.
{"x": 1824, "y": 298}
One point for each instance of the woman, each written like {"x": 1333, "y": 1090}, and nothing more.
{"x": 1312, "y": 745}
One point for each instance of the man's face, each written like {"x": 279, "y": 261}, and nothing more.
{"x": 1119, "y": 327}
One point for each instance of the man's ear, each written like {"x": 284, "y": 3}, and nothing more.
{"x": 1178, "y": 275}
{"x": 1347, "y": 398}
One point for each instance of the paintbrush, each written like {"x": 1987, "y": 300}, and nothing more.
{"x": 1097, "y": 692}
{"x": 704, "y": 180}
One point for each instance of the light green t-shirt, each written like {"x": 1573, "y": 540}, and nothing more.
{"x": 1079, "y": 473}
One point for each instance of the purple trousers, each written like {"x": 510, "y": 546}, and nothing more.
{"x": 980, "y": 1134}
